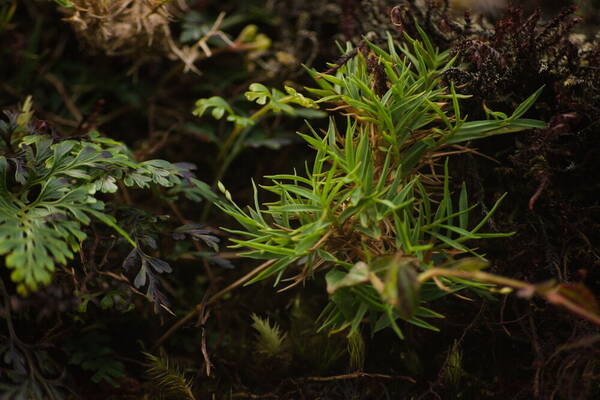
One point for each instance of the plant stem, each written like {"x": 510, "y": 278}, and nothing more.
{"x": 212, "y": 299}
{"x": 237, "y": 129}
{"x": 224, "y": 158}
{"x": 550, "y": 294}
{"x": 474, "y": 275}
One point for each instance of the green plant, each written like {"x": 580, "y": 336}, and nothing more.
{"x": 170, "y": 381}
{"x": 270, "y": 340}
{"x": 7, "y": 11}
{"x": 273, "y": 101}
{"x": 376, "y": 208}
{"x": 28, "y": 371}
{"x": 92, "y": 353}
{"x": 50, "y": 189}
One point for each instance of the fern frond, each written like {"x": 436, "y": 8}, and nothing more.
{"x": 169, "y": 380}
{"x": 49, "y": 189}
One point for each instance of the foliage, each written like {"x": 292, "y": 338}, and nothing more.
{"x": 522, "y": 51}
{"x": 272, "y": 101}
{"x": 169, "y": 380}
{"x": 373, "y": 208}
{"x": 143, "y": 30}
{"x": 28, "y": 371}
{"x": 7, "y": 11}
{"x": 92, "y": 353}
{"x": 50, "y": 189}
{"x": 121, "y": 67}
{"x": 270, "y": 339}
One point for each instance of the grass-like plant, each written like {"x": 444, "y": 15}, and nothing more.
{"x": 375, "y": 210}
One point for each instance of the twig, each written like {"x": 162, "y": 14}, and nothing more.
{"x": 475, "y": 275}
{"x": 244, "y": 395}
{"x": 354, "y": 375}
{"x": 341, "y": 61}
{"x": 550, "y": 294}
{"x": 212, "y": 299}
{"x": 553, "y": 296}
{"x": 203, "y": 318}
{"x": 538, "y": 192}
{"x": 69, "y": 103}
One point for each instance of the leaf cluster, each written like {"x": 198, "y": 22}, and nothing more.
{"x": 375, "y": 207}
{"x": 272, "y": 101}
{"x": 30, "y": 375}
{"x": 93, "y": 353}
{"x": 51, "y": 188}
{"x": 522, "y": 52}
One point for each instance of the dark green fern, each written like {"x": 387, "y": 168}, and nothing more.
{"x": 49, "y": 191}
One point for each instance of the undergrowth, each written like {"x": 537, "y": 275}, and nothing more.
{"x": 374, "y": 238}
{"x": 54, "y": 197}
{"x": 375, "y": 209}
{"x": 50, "y": 190}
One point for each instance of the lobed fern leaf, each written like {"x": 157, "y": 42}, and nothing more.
{"x": 48, "y": 193}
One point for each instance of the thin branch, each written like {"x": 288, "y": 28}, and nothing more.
{"x": 354, "y": 375}
{"x": 212, "y": 299}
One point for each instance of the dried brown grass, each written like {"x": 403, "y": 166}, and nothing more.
{"x": 124, "y": 27}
